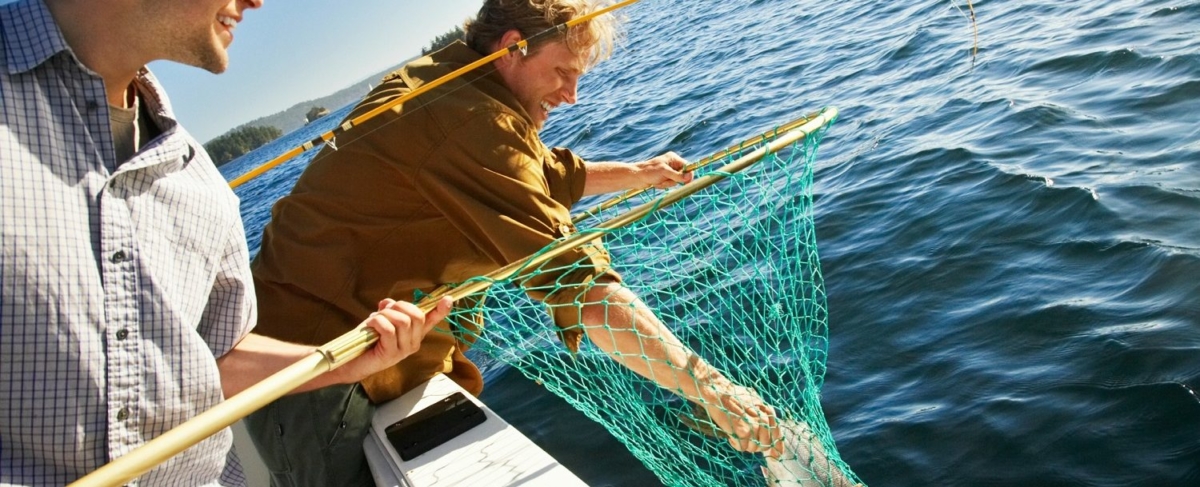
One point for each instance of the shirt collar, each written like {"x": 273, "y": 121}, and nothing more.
{"x": 453, "y": 57}
{"x": 29, "y": 34}
{"x": 156, "y": 97}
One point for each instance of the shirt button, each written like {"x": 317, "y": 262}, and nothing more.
{"x": 118, "y": 257}
{"x": 122, "y": 334}
{"x": 123, "y": 414}
{"x": 92, "y": 105}
{"x": 566, "y": 230}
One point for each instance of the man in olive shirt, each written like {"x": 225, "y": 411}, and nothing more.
{"x": 464, "y": 185}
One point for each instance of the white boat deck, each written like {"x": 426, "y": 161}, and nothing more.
{"x": 490, "y": 454}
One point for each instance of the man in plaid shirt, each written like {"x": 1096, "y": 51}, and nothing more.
{"x": 126, "y": 302}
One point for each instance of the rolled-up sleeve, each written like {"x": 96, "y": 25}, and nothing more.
{"x": 574, "y": 176}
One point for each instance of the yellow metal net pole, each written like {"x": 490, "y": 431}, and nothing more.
{"x": 697, "y": 165}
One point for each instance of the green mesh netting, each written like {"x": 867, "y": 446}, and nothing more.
{"x": 732, "y": 271}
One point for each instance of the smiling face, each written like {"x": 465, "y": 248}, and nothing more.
{"x": 544, "y": 79}
{"x": 196, "y": 32}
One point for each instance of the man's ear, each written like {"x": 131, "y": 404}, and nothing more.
{"x": 509, "y": 38}
{"x": 510, "y": 59}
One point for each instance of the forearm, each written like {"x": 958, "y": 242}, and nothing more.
{"x": 257, "y": 357}
{"x": 663, "y": 171}
{"x": 399, "y": 326}
{"x": 624, "y": 327}
{"x": 608, "y": 177}
{"x": 621, "y": 325}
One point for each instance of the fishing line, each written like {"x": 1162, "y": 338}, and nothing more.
{"x": 974, "y": 24}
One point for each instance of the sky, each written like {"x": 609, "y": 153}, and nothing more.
{"x": 292, "y": 51}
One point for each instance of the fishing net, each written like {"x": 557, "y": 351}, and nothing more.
{"x": 732, "y": 270}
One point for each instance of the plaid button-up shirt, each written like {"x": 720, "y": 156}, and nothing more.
{"x": 120, "y": 282}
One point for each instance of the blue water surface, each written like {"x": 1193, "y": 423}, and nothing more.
{"x": 1010, "y": 239}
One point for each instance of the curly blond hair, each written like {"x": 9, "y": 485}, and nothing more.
{"x": 596, "y": 37}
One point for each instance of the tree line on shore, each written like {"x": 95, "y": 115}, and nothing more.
{"x": 444, "y": 40}
{"x": 239, "y": 141}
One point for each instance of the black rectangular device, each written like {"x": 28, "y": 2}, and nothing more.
{"x": 436, "y": 424}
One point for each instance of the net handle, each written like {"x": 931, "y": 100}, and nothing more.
{"x": 353, "y": 343}
{"x": 797, "y": 132}
{"x": 630, "y": 194}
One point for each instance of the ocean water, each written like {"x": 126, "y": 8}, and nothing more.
{"x": 1010, "y": 239}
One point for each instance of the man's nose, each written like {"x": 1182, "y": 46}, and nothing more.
{"x": 571, "y": 90}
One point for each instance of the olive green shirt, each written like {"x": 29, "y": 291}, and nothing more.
{"x": 450, "y": 185}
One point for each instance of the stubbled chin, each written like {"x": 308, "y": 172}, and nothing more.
{"x": 212, "y": 57}
{"x": 538, "y": 115}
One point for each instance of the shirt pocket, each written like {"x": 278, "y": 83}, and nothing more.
{"x": 186, "y": 230}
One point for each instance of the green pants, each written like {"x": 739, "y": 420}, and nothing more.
{"x": 315, "y": 438}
